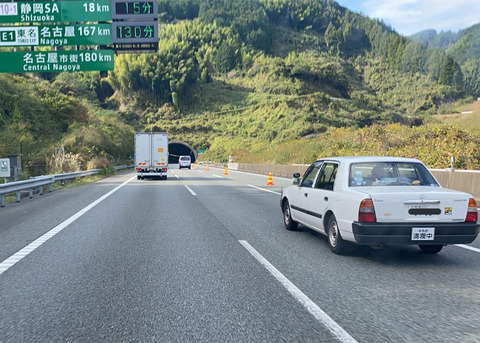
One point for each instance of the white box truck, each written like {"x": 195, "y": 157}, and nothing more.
{"x": 151, "y": 155}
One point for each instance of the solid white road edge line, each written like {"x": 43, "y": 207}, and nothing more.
{"x": 467, "y": 247}
{"x": 191, "y": 191}
{"x": 12, "y": 260}
{"x": 265, "y": 190}
{"x": 311, "y": 307}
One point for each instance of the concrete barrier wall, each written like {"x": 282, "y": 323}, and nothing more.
{"x": 462, "y": 180}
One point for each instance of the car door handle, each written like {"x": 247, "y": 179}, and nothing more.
{"x": 326, "y": 198}
{"x": 306, "y": 195}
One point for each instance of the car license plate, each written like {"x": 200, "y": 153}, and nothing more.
{"x": 423, "y": 234}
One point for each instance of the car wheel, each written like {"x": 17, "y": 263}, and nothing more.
{"x": 430, "y": 249}
{"x": 290, "y": 224}
{"x": 335, "y": 240}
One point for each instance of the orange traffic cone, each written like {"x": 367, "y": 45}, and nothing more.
{"x": 208, "y": 168}
{"x": 226, "y": 171}
{"x": 198, "y": 165}
{"x": 270, "y": 181}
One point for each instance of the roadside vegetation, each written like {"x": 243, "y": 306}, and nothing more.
{"x": 274, "y": 81}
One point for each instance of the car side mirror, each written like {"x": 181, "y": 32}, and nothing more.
{"x": 296, "y": 179}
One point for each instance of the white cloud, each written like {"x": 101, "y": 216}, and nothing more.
{"x": 410, "y": 16}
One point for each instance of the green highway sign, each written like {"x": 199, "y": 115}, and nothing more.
{"x": 55, "y": 11}
{"x": 56, "y": 35}
{"x": 56, "y": 61}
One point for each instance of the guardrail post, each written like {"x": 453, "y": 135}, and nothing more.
{"x": 41, "y": 190}
{"x": 30, "y": 193}
{"x": 3, "y": 201}
{"x": 49, "y": 188}
{"x": 18, "y": 195}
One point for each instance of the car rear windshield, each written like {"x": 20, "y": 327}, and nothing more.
{"x": 390, "y": 174}
{"x": 185, "y": 158}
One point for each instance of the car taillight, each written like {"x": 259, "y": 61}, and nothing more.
{"x": 472, "y": 214}
{"x": 366, "y": 212}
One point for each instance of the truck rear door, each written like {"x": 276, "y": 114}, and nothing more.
{"x": 160, "y": 150}
{"x": 142, "y": 150}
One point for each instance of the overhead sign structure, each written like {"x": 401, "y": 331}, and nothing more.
{"x": 134, "y": 28}
{"x": 56, "y": 61}
{"x": 127, "y": 32}
{"x": 56, "y": 35}
{"x": 5, "y": 167}
{"x": 55, "y": 11}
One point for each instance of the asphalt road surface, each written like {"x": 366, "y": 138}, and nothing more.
{"x": 204, "y": 257}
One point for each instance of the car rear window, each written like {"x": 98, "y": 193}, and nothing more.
{"x": 185, "y": 158}
{"x": 390, "y": 174}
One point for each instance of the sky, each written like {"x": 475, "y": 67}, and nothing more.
{"x": 411, "y": 16}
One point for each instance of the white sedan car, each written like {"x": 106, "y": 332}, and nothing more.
{"x": 379, "y": 201}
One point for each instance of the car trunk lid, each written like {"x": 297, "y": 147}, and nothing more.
{"x": 418, "y": 204}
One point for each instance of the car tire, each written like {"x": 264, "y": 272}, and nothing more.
{"x": 335, "y": 240}
{"x": 430, "y": 249}
{"x": 290, "y": 224}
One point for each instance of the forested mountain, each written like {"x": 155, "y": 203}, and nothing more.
{"x": 463, "y": 47}
{"x": 433, "y": 39}
{"x": 243, "y": 77}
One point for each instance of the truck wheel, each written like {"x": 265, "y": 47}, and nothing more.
{"x": 290, "y": 224}
{"x": 430, "y": 249}
{"x": 335, "y": 240}
{"x": 138, "y": 177}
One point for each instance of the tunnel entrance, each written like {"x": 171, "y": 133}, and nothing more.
{"x": 179, "y": 148}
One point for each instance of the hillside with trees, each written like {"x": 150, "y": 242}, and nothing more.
{"x": 256, "y": 79}
{"x": 463, "y": 47}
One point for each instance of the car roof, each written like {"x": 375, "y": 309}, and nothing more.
{"x": 365, "y": 159}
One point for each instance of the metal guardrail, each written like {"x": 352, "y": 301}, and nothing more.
{"x": 41, "y": 181}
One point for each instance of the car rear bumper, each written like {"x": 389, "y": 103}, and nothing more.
{"x": 401, "y": 233}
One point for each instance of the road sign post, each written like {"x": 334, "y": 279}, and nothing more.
{"x": 5, "y": 167}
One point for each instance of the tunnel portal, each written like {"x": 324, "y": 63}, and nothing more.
{"x": 179, "y": 148}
